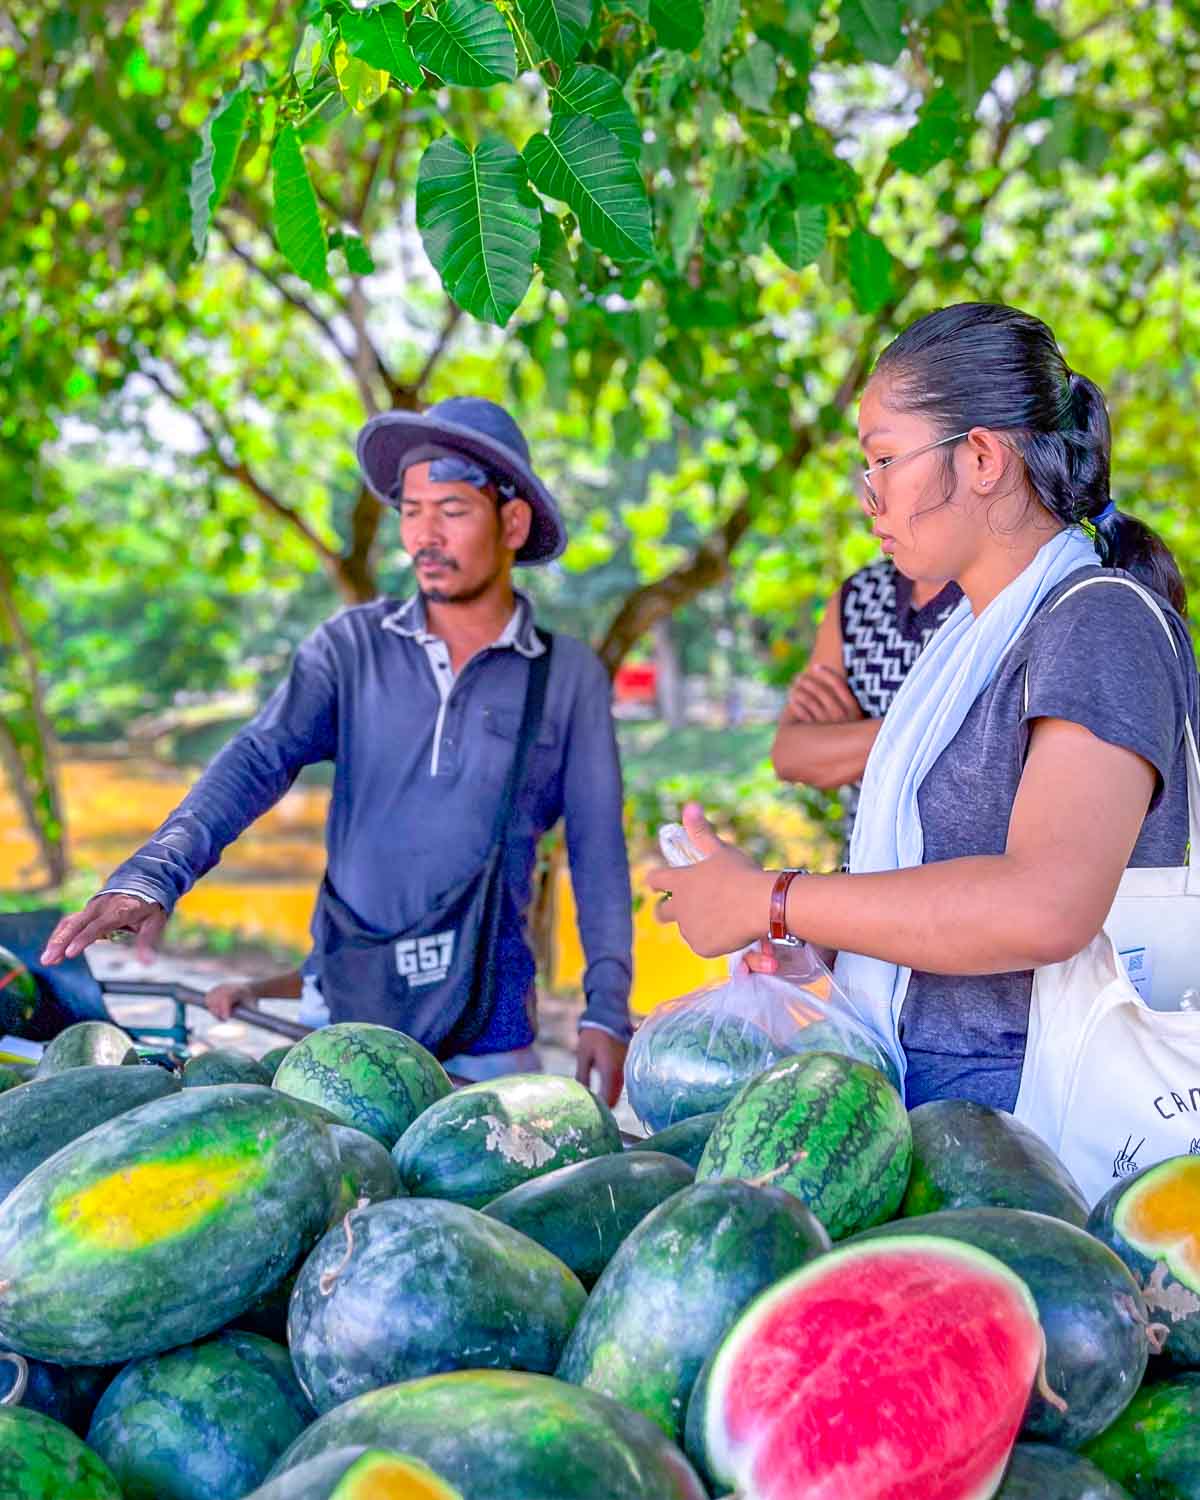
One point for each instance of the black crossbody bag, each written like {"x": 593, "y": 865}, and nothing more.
{"x": 435, "y": 980}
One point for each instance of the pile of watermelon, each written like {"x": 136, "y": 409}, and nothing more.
{"x": 331, "y": 1276}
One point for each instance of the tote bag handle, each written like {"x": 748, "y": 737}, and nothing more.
{"x": 1192, "y": 755}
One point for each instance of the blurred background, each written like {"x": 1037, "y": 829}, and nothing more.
{"x": 230, "y": 232}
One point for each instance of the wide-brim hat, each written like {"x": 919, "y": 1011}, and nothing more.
{"x": 475, "y": 429}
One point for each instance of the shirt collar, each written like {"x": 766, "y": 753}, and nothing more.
{"x": 409, "y": 620}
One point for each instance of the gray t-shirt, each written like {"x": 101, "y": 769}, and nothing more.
{"x": 1100, "y": 659}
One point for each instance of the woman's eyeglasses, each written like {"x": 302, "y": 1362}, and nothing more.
{"x": 870, "y": 497}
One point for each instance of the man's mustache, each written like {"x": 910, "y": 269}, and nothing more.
{"x": 432, "y": 555}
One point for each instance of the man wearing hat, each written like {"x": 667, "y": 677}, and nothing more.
{"x": 459, "y": 734}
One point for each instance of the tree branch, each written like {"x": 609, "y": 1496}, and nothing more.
{"x": 453, "y": 317}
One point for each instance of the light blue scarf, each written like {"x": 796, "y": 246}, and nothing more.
{"x": 957, "y": 665}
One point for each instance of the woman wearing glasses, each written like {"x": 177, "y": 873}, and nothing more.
{"x": 1036, "y": 748}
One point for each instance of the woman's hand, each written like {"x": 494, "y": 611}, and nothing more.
{"x": 719, "y": 905}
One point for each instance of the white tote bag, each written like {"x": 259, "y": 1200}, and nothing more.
{"x": 1112, "y": 1065}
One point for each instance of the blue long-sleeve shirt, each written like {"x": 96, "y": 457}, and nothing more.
{"x": 419, "y": 768}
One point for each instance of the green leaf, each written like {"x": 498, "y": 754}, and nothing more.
{"x": 679, "y": 23}
{"x": 588, "y": 90}
{"x": 311, "y": 53}
{"x": 359, "y": 260}
{"x": 583, "y": 164}
{"x": 720, "y": 23}
{"x": 558, "y": 270}
{"x": 480, "y": 223}
{"x": 559, "y": 26}
{"x": 974, "y": 52}
{"x": 360, "y": 83}
{"x": 1037, "y": 36}
{"x": 380, "y": 38}
{"x": 871, "y": 271}
{"x": 466, "y": 43}
{"x": 299, "y": 231}
{"x": 683, "y": 223}
{"x": 821, "y": 177}
{"x": 872, "y": 27}
{"x": 940, "y": 131}
{"x": 220, "y": 140}
{"x": 755, "y": 77}
{"x": 797, "y": 234}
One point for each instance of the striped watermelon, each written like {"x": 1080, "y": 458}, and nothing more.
{"x": 18, "y": 996}
{"x": 223, "y": 1065}
{"x": 507, "y": 1435}
{"x": 87, "y": 1043}
{"x": 829, "y": 1130}
{"x": 162, "y": 1225}
{"x": 1153, "y": 1448}
{"x": 41, "y": 1460}
{"x": 205, "y": 1422}
{"x": 892, "y": 1370}
{"x": 670, "y": 1293}
{"x": 371, "y": 1077}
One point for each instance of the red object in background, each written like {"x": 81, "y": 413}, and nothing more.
{"x": 636, "y": 682}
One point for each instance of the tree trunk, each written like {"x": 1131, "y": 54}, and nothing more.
{"x": 669, "y": 676}
{"x": 26, "y": 743}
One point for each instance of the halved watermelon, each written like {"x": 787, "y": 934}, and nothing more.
{"x": 895, "y": 1369}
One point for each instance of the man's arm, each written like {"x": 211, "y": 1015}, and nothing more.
{"x": 297, "y": 726}
{"x": 593, "y": 808}
{"x": 823, "y": 738}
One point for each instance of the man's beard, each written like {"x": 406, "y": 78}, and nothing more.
{"x": 467, "y": 595}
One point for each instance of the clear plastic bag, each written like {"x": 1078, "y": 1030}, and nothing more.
{"x": 693, "y": 1054}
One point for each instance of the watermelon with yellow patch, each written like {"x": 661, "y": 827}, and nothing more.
{"x": 1152, "y": 1221}
{"x": 359, "y": 1473}
{"x": 162, "y": 1225}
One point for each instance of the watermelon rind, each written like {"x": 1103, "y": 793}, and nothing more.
{"x": 966, "y": 1155}
{"x": 44, "y": 1115}
{"x": 672, "y": 1290}
{"x": 531, "y": 1436}
{"x": 163, "y": 1224}
{"x": 204, "y": 1422}
{"x": 1037, "y": 1471}
{"x": 584, "y": 1211}
{"x": 831, "y": 1131}
{"x": 722, "y": 1464}
{"x": 1097, "y": 1339}
{"x": 40, "y": 1459}
{"x": 87, "y": 1043}
{"x": 370, "y": 1077}
{"x": 1153, "y": 1448}
{"x": 19, "y": 997}
{"x": 413, "y": 1287}
{"x": 488, "y": 1137}
{"x": 686, "y": 1140}
{"x": 1161, "y": 1265}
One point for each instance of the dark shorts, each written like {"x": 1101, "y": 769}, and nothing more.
{"x": 943, "y": 1075}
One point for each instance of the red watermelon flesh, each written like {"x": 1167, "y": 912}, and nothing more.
{"x": 890, "y": 1370}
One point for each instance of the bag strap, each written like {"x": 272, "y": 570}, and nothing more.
{"x": 531, "y": 722}
{"x": 1192, "y": 752}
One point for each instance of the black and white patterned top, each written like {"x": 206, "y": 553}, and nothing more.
{"x": 882, "y": 635}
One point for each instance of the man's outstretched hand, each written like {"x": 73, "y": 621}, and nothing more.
{"x": 606, "y": 1054}
{"x": 100, "y": 918}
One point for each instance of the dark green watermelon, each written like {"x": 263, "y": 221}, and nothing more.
{"x": 271, "y": 1060}
{"x": 528, "y": 1436}
{"x": 1097, "y": 1341}
{"x": 675, "y": 1286}
{"x": 43, "y": 1115}
{"x": 223, "y": 1065}
{"x": 40, "y": 1459}
{"x": 413, "y": 1287}
{"x": 581, "y": 1213}
{"x": 357, "y": 1473}
{"x": 1153, "y": 1448}
{"x": 368, "y": 1173}
{"x": 18, "y": 996}
{"x": 1038, "y": 1472}
{"x": 371, "y": 1077}
{"x": 88, "y": 1044}
{"x": 688, "y": 1059}
{"x": 68, "y": 1393}
{"x": 686, "y": 1140}
{"x": 1152, "y": 1221}
{"x": 12, "y": 1078}
{"x": 966, "y": 1155}
{"x": 488, "y": 1137}
{"x": 205, "y": 1422}
{"x": 830, "y": 1130}
{"x": 163, "y": 1224}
